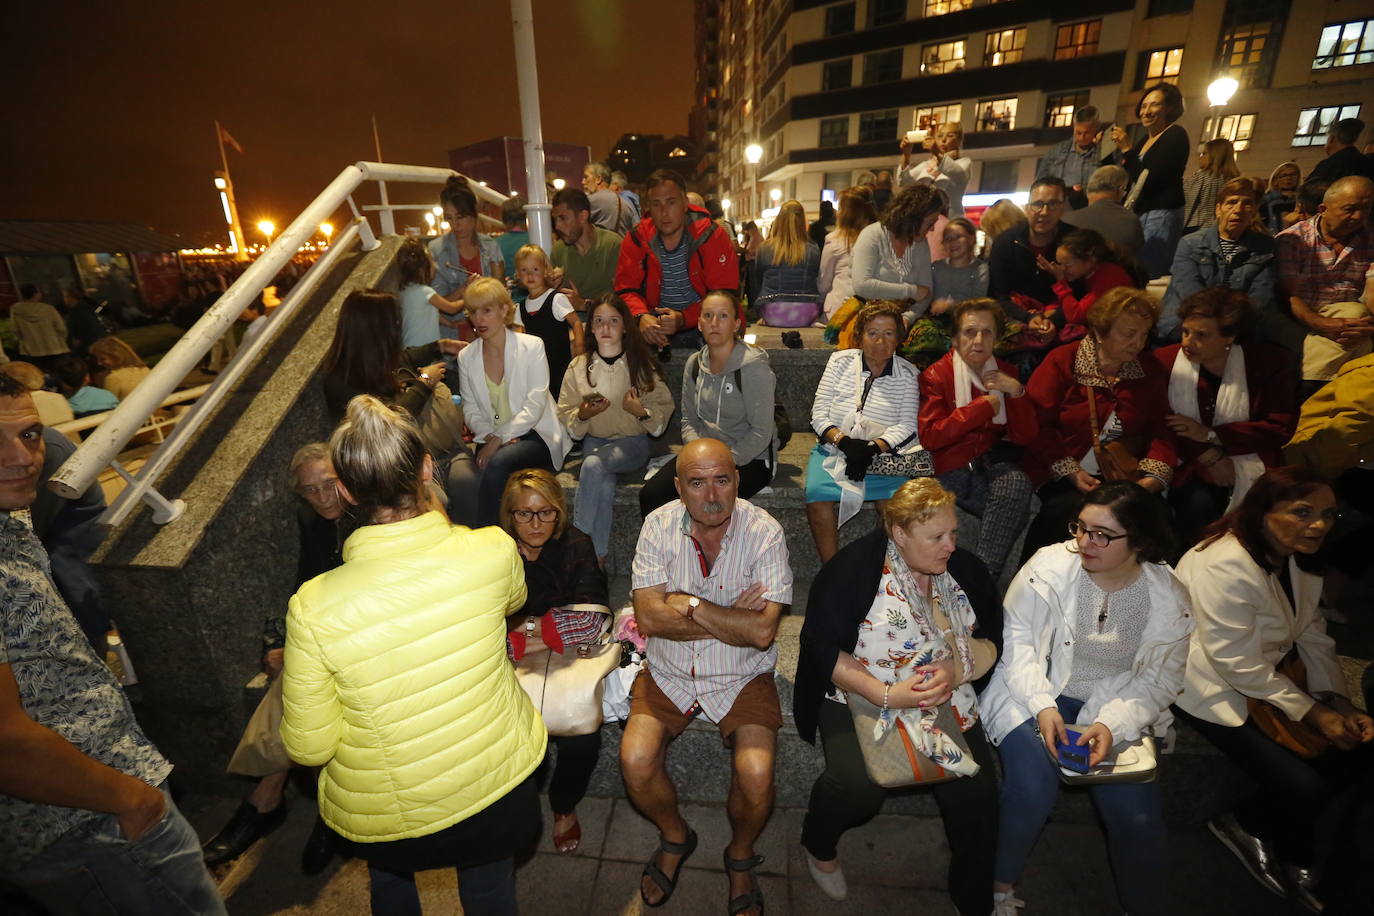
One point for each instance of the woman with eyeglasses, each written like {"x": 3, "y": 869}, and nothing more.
{"x": 1255, "y": 582}
{"x": 1096, "y": 635}
{"x": 567, "y": 605}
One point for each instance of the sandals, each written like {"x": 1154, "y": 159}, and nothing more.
{"x": 567, "y": 841}
{"x": 656, "y": 875}
{"x": 754, "y": 897}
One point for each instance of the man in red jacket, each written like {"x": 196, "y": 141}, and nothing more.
{"x": 674, "y": 257}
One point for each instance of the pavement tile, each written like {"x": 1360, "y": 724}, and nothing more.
{"x": 555, "y": 885}
{"x": 699, "y": 893}
{"x": 632, "y": 838}
{"x": 807, "y": 900}
{"x": 593, "y": 814}
{"x": 890, "y": 851}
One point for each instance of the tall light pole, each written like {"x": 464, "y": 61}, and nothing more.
{"x": 752, "y": 154}
{"x": 527, "y": 80}
{"x": 267, "y": 227}
{"x": 1219, "y": 94}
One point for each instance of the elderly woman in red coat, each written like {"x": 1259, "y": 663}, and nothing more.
{"x": 974, "y": 418}
{"x": 1103, "y": 370}
{"x": 1230, "y": 407}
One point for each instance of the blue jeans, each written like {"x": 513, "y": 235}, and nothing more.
{"x": 93, "y": 869}
{"x": 602, "y": 459}
{"x": 488, "y": 890}
{"x": 1162, "y": 229}
{"x": 527, "y": 452}
{"x": 1130, "y": 811}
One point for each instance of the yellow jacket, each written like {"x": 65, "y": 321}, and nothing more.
{"x": 396, "y": 679}
{"x": 1336, "y": 427}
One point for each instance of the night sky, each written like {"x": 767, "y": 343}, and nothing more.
{"x": 110, "y": 106}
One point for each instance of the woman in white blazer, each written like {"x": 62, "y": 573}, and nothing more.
{"x": 504, "y": 380}
{"x": 1096, "y": 634}
{"x": 1256, "y": 596}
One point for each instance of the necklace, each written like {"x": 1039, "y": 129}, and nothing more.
{"x": 1102, "y": 614}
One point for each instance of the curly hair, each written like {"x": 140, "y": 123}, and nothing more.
{"x": 876, "y": 309}
{"x": 970, "y": 306}
{"x": 915, "y": 502}
{"x": 910, "y": 209}
{"x": 1103, "y": 313}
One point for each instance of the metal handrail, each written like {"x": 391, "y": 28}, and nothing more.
{"x": 92, "y": 420}
{"x": 102, "y": 447}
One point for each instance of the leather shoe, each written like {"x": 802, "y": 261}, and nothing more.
{"x": 1302, "y": 887}
{"x": 245, "y": 828}
{"x": 318, "y": 850}
{"x": 1256, "y": 855}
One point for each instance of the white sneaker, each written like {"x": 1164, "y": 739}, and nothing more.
{"x": 832, "y": 883}
{"x": 1006, "y": 904}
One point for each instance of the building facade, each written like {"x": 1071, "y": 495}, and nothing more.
{"x": 827, "y": 88}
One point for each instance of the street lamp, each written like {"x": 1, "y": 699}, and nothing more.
{"x": 752, "y": 154}
{"x": 725, "y": 204}
{"x": 1219, "y": 93}
{"x": 429, "y": 219}
{"x": 775, "y": 195}
{"x": 327, "y": 230}
{"x": 266, "y": 227}
{"x": 559, "y": 184}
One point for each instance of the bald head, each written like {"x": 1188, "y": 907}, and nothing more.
{"x": 1345, "y": 207}
{"x": 696, "y": 200}
{"x": 707, "y": 481}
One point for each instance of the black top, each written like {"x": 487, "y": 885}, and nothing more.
{"x": 565, "y": 573}
{"x": 321, "y": 550}
{"x": 841, "y": 595}
{"x": 1012, "y": 269}
{"x": 1167, "y": 160}
{"x": 553, "y": 333}
{"x": 413, "y": 397}
{"x": 1342, "y": 163}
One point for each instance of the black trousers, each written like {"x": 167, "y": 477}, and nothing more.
{"x": 659, "y": 490}
{"x": 1196, "y": 504}
{"x": 1059, "y": 504}
{"x": 572, "y": 771}
{"x": 844, "y": 797}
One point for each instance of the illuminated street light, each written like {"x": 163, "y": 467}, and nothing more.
{"x": 220, "y": 183}
{"x": 1220, "y": 91}
{"x": 429, "y": 219}
{"x": 725, "y": 204}
{"x": 559, "y": 184}
{"x": 753, "y": 153}
{"x": 328, "y": 231}
{"x": 775, "y": 194}
{"x": 267, "y": 227}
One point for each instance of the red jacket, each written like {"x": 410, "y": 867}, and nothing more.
{"x": 1065, "y": 434}
{"x": 1269, "y": 380}
{"x": 957, "y": 435}
{"x": 711, "y": 264}
{"x": 1108, "y": 276}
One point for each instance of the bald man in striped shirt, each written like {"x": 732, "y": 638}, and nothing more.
{"x": 711, "y": 579}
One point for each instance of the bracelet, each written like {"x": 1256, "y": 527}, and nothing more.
{"x": 886, "y": 691}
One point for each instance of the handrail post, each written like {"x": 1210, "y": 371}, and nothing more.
{"x": 388, "y": 217}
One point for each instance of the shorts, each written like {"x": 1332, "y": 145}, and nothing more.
{"x": 757, "y": 704}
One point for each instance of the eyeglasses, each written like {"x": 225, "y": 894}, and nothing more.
{"x": 312, "y": 491}
{"x": 525, "y": 515}
{"x": 1038, "y": 205}
{"x": 1096, "y": 538}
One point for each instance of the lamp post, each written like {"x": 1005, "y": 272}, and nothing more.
{"x": 267, "y": 227}
{"x": 1219, "y": 93}
{"x": 328, "y": 231}
{"x": 752, "y": 154}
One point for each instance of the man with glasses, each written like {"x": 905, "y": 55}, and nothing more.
{"x": 1013, "y": 275}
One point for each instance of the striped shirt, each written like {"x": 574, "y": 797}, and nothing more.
{"x": 1319, "y": 274}
{"x": 676, "y": 291}
{"x": 707, "y": 671}
{"x": 891, "y": 401}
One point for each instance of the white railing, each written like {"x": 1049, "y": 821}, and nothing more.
{"x": 102, "y": 447}
{"x": 72, "y": 428}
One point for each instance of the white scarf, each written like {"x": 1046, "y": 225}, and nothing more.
{"x": 1233, "y": 406}
{"x": 965, "y": 380}
{"x": 855, "y": 424}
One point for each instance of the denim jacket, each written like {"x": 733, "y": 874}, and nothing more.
{"x": 788, "y": 282}
{"x": 1198, "y": 264}
{"x": 449, "y": 275}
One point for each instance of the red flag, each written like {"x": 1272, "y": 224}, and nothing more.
{"x": 226, "y": 138}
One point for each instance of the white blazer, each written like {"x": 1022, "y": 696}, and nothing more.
{"x": 527, "y": 389}
{"x": 1037, "y": 652}
{"x": 1245, "y": 626}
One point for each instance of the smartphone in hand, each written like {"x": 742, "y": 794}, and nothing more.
{"x": 1072, "y": 756}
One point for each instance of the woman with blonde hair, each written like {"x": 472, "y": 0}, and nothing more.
{"x": 786, "y": 271}
{"x": 856, "y": 212}
{"x": 396, "y": 681}
{"x": 1281, "y": 200}
{"x": 124, "y": 368}
{"x": 998, "y": 218}
{"x": 1216, "y": 163}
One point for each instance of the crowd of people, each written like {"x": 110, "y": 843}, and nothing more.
{"x": 1187, "y": 483}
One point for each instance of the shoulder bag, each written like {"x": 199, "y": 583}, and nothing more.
{"x": 1114, "y": 459}
{"x": 893, "y": 761}
{"x": 1133, "y": 761}
{"x": 1298, "y": 737}
{"x": 567, "y": 687}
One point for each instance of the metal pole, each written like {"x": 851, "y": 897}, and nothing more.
{"x": 240, "y": 240}
{"x": 527, "y": 78}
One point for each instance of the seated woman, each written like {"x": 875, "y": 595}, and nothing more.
{"x": 567, "y": 604}
{"x": 1098, "y": 388}
{"x": 891, "y": 259}
{"x": 946, "y": 603}
{"x": 1255, "y": 582}
{"x": 505, "y": 385}
{"x": 1084, "y": 258}
{"x": 834, "y": 282}
{"x": 727, "y": 394}
{"x": 865, "y": 406}
{"x": 786, "y": 272}
{"x": 959, "y": 276}
{"x": 974, "y": 417}
{"x": 1230, "y": 407}
{"x": 614, "y": 398}
{"x": 366, "y": 357}
{"x": 396, "y": 681}
{"x": 122, "y": 368}
{"x": 1096, "y": 634}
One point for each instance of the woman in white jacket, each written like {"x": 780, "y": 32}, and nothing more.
{"x": 504, "y": 379}
{"x": 1096, "y": 634}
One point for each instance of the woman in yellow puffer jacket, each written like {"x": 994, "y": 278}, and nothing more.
{"x": 396, "y": 681}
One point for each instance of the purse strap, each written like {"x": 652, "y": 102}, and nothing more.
{"x": 1092, "y": 418}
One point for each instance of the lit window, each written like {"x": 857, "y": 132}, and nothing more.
{"x": 1315, "y": 123}
{"x": 1236, "y": 128}
{"x": 940, "y": 7}
{"x": 1345, "y": 44}
{"x": 1005, "y": 47}
{"x": 1247, "y": 53}
{"x": 996, "y": 114}
{"x": 1077, "y": 40}
{"x": 1160, "y": 66}
{"x": 930, "y": 119}
{"x": 878, "y": 125}
{"x": 834, "y": 132}
{"x": 1059, "y": 109}
{"x": 943, "y": 58}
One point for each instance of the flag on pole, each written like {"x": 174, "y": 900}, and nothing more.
{"x": 226, "y": 138}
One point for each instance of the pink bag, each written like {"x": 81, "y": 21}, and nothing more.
{"x": 780, "y": 314}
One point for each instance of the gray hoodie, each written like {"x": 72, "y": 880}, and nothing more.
{"x": 714, "y": 407}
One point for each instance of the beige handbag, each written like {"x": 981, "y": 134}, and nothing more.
{"x": 261, "y": 751}
{"x": 566, "y": 688}
{"x": 893, "y": 761}
{"x": 1133, "y": 761}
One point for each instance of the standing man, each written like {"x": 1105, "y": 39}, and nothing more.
{"x": 86, "y": 823}
{"x": 711, "y": 579}
{"x": 1104, "y": 214}
{"x": 609, "y": 209}
{"x": 584, "y": 256}
{"x": 1326, "y": 271}
{"x": 1075, "y": 159}
{"x": 1343, "y": 157}
{"x": 41, "y": 331}
{"x": 670, "y": 261}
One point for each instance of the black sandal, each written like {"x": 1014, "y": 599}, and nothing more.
{"x": 656, "y": 875}
{"x": 754, "y": 896}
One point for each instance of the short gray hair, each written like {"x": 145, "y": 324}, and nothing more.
{"x": 1087, "y": 115}
{"x": 600, "y": 171}
{"x": 311, "y": 451}
{"x": 620, "y": 179}
{"x": 1107, "y": 178}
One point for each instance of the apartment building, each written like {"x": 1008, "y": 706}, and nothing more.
{"x": 827, "y": 88}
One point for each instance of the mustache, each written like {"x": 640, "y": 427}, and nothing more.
{"x": 714, "y": 507}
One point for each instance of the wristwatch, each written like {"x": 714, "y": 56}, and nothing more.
{"x": 531, "y": 623}
{"x": 693, "y": 602}
{"x": 1213, "y": 438}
